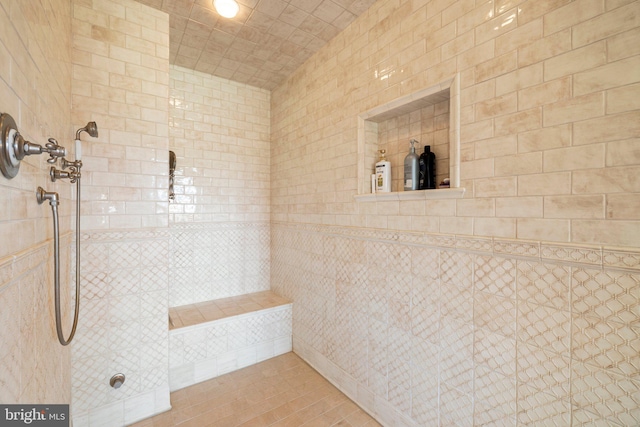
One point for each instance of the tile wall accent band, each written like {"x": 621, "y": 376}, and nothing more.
{"x": 11, "y": 267}
{"x": 627, "y": 258}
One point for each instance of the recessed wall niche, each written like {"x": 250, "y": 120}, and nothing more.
{"x": 431, "y": 116}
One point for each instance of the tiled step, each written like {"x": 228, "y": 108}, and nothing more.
{"x": 216, "y": 337}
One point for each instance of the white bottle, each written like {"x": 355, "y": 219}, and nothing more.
{"x": 383, "y": 174}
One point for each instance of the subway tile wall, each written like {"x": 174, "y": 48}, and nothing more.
{"x": 498, "y": 310}
{"x": 121, "y": 81}
{"x": 35, "y": 89}
{"x": 548, "y": 122}
{"x": 219, "y": 130}
{"x": 425, "y": 329}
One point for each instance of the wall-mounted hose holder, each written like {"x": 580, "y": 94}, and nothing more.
{"x": 13, "y": 147}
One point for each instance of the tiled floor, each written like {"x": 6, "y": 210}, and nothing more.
{"x": 283, "y": 391}
{"x": 207, "y": 311}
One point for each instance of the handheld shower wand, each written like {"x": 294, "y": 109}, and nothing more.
{"x": 92, "y": 129}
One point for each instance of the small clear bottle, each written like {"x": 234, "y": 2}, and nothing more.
{"x": 383, "y": 174}
{"x": 412, "y": 169}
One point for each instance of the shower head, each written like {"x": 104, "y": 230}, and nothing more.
{"x": 91, "y": 128}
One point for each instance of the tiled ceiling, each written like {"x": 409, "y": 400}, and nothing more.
{"x": 263, "y": 44}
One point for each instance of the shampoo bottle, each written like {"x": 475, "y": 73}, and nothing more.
{"x": 412, "y": 169}
{"x": 383, "y": 174}
{"x": 427, "y": 169}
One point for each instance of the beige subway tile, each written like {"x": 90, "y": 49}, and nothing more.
{"x": 478, "y": 92}
{"x": 587, "y": 206}
{"x": 623, "y": 45}
{"x": 495, "y": 67}
{"x": 89, "y": 74}
{"x": 483, "y": 12}
{"x": 398, "y": 222}
{"x": 457, "y": 10}
{"x": 521, "y": 78}
{"x": 124, "y": 26}
{"x": 467, "y": 152}
{"x": 608, "y": 76}
{"x": 607, "y": 128}
{"x": 519, "y": 207}
{"x": 571, "y": 14}
{"x": 494, "y": 147}
{"x": 125, "y": 55}
{"x": 521, "y": 121}
{"x": 574, "y": 109}
{"x": 455, "y": 225}
{"x": 622, "y": 99}
{"x": 457, "y": 47}
{"x": 572, "y": 158}
{"x": 518, "y": 164}
{"x": 547, "y": 47}
{"x": 623, "y": 206}
{"x": 604, "y": 232}
{"x": 474, "y": 55}
{"x": 530, "y": 10}
{"x": 605, "y": 25}
{"x": 497, "y": 106}
{"x": 544, "y": 139}
{"x": 545, "y": 93}
{"x": 476, "y": 169}
{"x": 624, "y": 152}
{"x": 440, "y": 208}
{"x": 124, "y": 110}
{"x": 87, "y": 44}
{"x": 108, "y": 36}
{"x": 412, "y": 207}
{"x": 551, "y": 230}
{"x": 495, "y": 227}
{"x": 495, "y": 187}
{"x": 622, "y": 179}
{"x": 85, "y": 103}
{"x": 544, "y": 184}
{"x": 574, "y": 61}
{"x": 475, "y": 207}
{"x": 124, "y": 82}
{"x": 441, "y": 36}
{"x": 501, "y": 24}
{"x": 83, "y": 13}
{"x": 476, "y": 131}
{"x": 426, "y": 223}
{"x": 519, "y": 37}
{"x": 144, "y": 18}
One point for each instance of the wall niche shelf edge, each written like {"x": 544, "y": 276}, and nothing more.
{"x": 368, "y": 141}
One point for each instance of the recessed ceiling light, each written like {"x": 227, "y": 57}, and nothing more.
{"x": 226, "y": 8}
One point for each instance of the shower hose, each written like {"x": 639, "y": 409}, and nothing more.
{"x": 53, "y": 201}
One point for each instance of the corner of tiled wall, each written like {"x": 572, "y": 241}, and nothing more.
{"x": 499, "y": 307}
{"x": 121, "y": 81}
{"x": 35, "y": 88}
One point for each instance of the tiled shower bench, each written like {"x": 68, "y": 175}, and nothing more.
{"x": 212, "y": 338}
